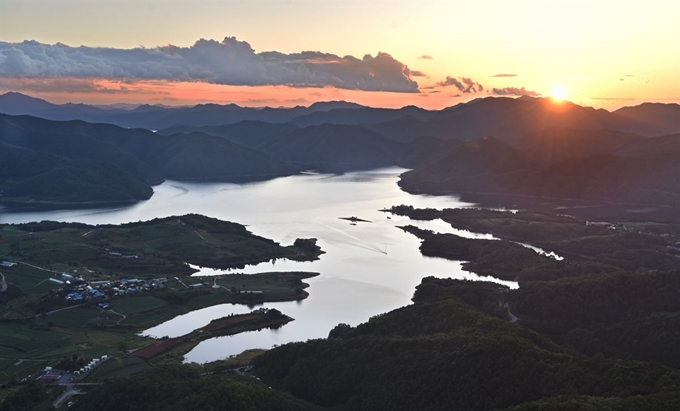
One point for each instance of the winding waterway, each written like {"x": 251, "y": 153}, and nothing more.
{"x": 369, "y": 268}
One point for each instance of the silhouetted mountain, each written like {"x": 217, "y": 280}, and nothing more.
{"x": 511, "y": 119}
{"x": 556, "y": 145}
{"x": 17, "y": 103}
{"x": 427, "y": 149}
{"x": 334, "y": 148}
{"x": 29, "y": 176}
{"x": 493, "y": 168}
{"x": 506, "y": 118}
{"x": 198, "y": 156}
{"x": 96, "y": 155}
{"x": 460, "y": 167}
{"x": 77, "y": 140}
{"x": 650, "y": 146}
{"x": 160, "y": 117}
{"x": 404, "y": 129}
{"x": 663, "y": 117}
{"x": 247, "y": 133}
{"x": 364, "y": 115}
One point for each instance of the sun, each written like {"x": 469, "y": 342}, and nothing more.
{"x": 558, "y": 92}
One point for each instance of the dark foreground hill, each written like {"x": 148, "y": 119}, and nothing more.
{"x": 586, "y": 166}
{"x": 334, "y": 148}
{"x": 450, "y": 351}
{"x": 79, "y": 162}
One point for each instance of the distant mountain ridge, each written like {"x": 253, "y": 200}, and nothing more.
{"x": 526, "y": 146}
{"x": 505, "y": 118}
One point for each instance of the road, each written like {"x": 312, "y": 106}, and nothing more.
{"x": 513, "y": 317}
{"x": 4, "y": 283}
{"x": 70, "y": 391}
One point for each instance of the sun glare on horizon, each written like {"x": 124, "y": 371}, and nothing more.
{"x": 558, "y": 92}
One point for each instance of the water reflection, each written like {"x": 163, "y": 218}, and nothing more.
{"x": 368, "y": 268}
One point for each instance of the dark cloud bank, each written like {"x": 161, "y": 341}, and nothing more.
{"x": 229, "y": 62}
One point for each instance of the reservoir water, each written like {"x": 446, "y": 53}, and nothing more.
{"x": 369, "y": 268}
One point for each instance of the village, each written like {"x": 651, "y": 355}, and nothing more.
{"x": 76, "y": 290}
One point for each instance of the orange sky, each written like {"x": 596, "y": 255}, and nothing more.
{"x": 606, "y": 53}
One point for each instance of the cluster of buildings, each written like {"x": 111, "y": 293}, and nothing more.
{"x": 53, "y": 376}
{"x": 79, "y": 290}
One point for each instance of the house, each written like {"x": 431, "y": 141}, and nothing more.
{"x": 7, "y": 264}
{"x": 74, "y": 297}
{"x": 104, "y": 306}
{"x": 50, "y": 378}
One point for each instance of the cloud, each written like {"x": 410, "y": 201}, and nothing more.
{"x": 229, "y": 62}
{"x": 613, "y": 98}
{"x": 425, "y": 57}
{"x": 65, "y": 85}
{"x": 505, "y": 75}
{"x": 416, "y": 73}
{"x": 464, "y": 84}
{"x": 514, "y": 91}
{"x": 297, "y": 101}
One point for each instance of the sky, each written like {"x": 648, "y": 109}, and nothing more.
{"x": 432, "y": 54}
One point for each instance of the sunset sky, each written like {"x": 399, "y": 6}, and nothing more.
{"x": 432, "y": 54}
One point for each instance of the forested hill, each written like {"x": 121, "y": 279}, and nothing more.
{"x": 575, "y": 165}
{"x": 451, "y": 350}
{"x": 75, "y": 162}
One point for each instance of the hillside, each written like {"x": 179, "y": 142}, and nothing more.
{"x": 334, "y": 148}
{"x": 247, "y": 133}
{"x": 447, "y": 351}
{"x": 665, "y": 117}
{"x": 568, "y": 168}
{"x": 33, "y": 176}
{"x": 199, "y": 156}
{"x": 510, "y": 119}
{"x": 475, "y": 159}
{"x": 85, "y": 162}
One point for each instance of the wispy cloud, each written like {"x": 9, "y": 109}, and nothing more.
{"x": 416, "y": 73}
{"x": 613, "y": 98}
{"x": 67, "y": 85}
{"x": 505, "y": 75}
{"x": 464, "y": 84}
{"x": 425, "y": 57}
{"x": 514, "y": 91}
{"x": 229, "y": 62}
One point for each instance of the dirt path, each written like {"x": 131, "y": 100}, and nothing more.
{"x": 4, "y": 284}
{"x": 62, "y": 309}
{"x": 39, "y": 268}
{"x": 122, "y": 315}
{"x": 513, "y": 317}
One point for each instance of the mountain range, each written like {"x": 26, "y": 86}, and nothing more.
{"x": 525, "y": 146}
{"x": 504, "y": 118}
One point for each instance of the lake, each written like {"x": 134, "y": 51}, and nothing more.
{"x": 369, "y": 268}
